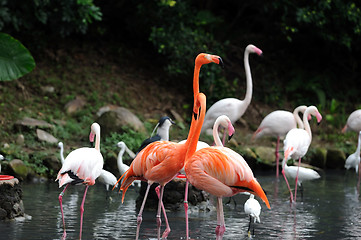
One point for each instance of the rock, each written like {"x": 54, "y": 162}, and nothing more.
{"x": 52, "y": 163}
{"x": 74, "y": 105}
{"x": 112, "y": 119}
{"x": 318, "y": 157}
{"x": 19, "y": 169}
{"x": 266, "y": 155}
{"x": 335, "y": 159}
{"x": 47, "y": 89}
{"x": 11, "y": 204}
{"x": 27, "y": 123}
{"x": 45, "y": 136}
{"x": 250, "y": 157}
{"x": 20, "y": 140}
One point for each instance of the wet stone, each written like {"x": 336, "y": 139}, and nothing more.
{"x": 11, "y": 205}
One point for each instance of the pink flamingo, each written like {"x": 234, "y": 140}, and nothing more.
{"x": 161, "y": 161}
{"x": 297, "y": 142}
{"x": 81, "y": 166}
{"x": 232, "y": 107}
{"x": 223, "y": 173}
{"x": 278, "y": 124}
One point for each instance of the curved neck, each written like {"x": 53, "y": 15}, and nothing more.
{"x": 97, "y": 141}
{"x": 120, "y": 158}
{"x": 307, "y": 124}
{"x": 196, "y": 126}
{"x": 62, "y": 154}
{"x": 247, "y": 69}
{"x": 197, "y": 68}
{"x": 297, "y": 116}
{"x": 284, "y": 163}
{"x": 216, "y": 137}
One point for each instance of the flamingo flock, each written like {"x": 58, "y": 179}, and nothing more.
{"x": 218, "y": 170}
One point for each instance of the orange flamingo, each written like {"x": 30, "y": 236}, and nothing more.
{"x": 223, "y": 173}
{"x": 161, "y": 161}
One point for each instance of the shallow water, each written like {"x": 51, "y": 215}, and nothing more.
{"x": 330, "y": 209}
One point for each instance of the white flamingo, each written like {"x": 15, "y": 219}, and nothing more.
{"x": 278, "y": 124}
{"x": 107, "y": 178}
{"x": 297, "y": 142}
{"x": 81, "y": 166}
{"x": 122, "y": 167}
{"x": 253, "y": 209}
{"x": 232, "y": 107}
{"x": 353, "y": 122}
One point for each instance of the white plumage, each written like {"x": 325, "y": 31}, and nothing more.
{"x": 232, "y": 107}
{"x": 353, "y": 160}
{"x": 107, "y": 178}
{"x": 304, "y": 174}
{"x": 122, "y": 166}
{"x": 353, "y": 122}
{"x": 297, "y": 142}
{"x": 253, "y": 209}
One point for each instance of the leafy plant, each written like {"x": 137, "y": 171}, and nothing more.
{"x": 15, "y": 59}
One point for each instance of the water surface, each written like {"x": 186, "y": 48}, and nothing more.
{"x": 330, "y": 209}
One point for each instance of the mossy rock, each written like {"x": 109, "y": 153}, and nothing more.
{"x": 19, "y": 169}
{"x": 250, "y": 157}
{"x": 266, "y": 155}
{"x": 318, "y": 157}
{"x": 335, "y": 159}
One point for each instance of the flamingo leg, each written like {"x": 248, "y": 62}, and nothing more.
{"x": 249, "y": 226}
{"x": 139, "y": 218}
{"x": 277, "y": 156}
{"x": 186, "y": 208}
{"x": 82, "y": 211}
{"x": 221, "y": 228}
{"x": 299, "y": 163}
{"x": 61, "y": 209}
{"x": 167, "y": 229}
{"x": 159, "y": 220}
{"x": 359, "y": 176}
{"x": 288, "y": 185}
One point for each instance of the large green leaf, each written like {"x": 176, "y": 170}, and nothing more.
{"x": 15, "y": 59}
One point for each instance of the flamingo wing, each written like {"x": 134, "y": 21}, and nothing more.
{"x": 222, "y": 172}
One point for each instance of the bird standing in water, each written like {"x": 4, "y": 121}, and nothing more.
{"x": 81, "y": 166}
{"x": 253, "y": 209}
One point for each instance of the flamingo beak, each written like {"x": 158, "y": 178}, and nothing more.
{"x": 257, "y": 189}
{"x": 319, "y": 117}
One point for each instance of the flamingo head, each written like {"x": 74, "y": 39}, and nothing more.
{"x": 227, "y": 124}
{"x": 205, "y": 58}
{"x": 253, "y": 49}
{"x": 314, "y": 111}
{"x": 121, "y": 144}
{"x": 95, "y": 130}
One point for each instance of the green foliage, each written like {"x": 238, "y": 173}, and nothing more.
{"x": 56, "y": 17}
{"x": 15, "y": 59}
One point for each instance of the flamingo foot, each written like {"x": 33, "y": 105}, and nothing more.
{"x": 165, "y": 233}
{"x": 220, "y": 229}
{"x": 64, "y": 236}
{"x": 139, "y": 221}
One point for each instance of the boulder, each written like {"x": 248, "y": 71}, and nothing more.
{"x": 112, "y": 119}
{"x": 19, "y": 169}
{"x": 335, "y": 159}
{"x": 28, "y": 123}
{"x": 75, "y": 105}
{"x": 266, "y": 156}
{"x": 318, "y": 157}
{"x": 45, "y": 136}
{"x": 11, "y": 204}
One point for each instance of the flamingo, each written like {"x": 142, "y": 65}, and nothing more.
{"x": 304, "y": 174}
{"x": 353, "y": 160}
{"x": 122, "y": 166}
{"x": 278, "y": 124}
{"x": 107, "y": 178}
{"x": 232, "y": 107}
{"x": 81, "y": 166}
{"x": 162, "y": 127}
{"x": 221, "y": 172}
{"x": 297, "y": 142}
{"x": 353, "y": 122}
{"x": 253, "y": 209}
{"x": 161, "y": 161}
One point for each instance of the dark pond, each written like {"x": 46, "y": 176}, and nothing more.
{"x": 330, "y": 209}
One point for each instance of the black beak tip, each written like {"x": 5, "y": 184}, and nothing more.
{"x": 230, "y": 137}
{"x": 221, "y": 63}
